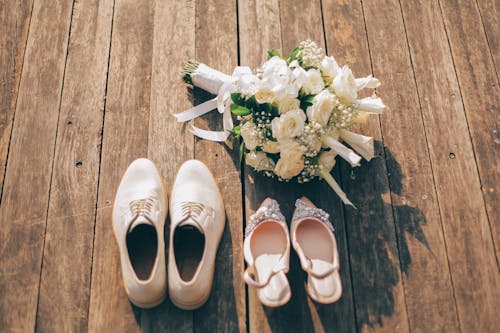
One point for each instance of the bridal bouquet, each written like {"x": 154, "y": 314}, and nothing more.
{"x": 294, "y": 114}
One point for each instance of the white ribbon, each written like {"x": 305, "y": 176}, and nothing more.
{"x": 222, "y": 102}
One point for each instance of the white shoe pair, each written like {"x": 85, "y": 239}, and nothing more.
{"x": 197, "y": 219}
{"x": 267, "y": 253}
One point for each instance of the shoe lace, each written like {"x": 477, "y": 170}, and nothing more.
{"x": 142, "y": 207}
{"x": 192, "y": 210}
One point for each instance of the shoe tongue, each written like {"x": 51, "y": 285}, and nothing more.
{"x": 138, "y": 221}
{"x": 190, "y": 223}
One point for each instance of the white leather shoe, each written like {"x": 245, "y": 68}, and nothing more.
{"x": 139, "y": 213}
{"x": 197, "y": 219}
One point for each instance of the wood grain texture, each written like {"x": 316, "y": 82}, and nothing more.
{"x": 65, "y": 280}
{"x": 217, "y": 45}
{"x": 14, "y": 26}
{"x": 373, "y": 247}
{"x": 490, "y": 13}
{"x": 414, "y": 201}
{"x": 481, "y": 97}
{"x": 23, "y": 209}
{"x": 170, "y": 144}
{"x": 125, "y": 139}
{"x": 467, "y": 233}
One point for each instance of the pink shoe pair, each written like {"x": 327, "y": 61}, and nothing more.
{"x": 267, "y": 253}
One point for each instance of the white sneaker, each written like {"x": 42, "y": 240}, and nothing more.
{"x": 197, "y": 219}
{"x": 139, "y": 213}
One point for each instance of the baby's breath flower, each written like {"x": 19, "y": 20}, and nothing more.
{"x": 309, "y": 54}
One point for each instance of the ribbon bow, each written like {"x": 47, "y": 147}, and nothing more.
{"x": 222, "y": 103}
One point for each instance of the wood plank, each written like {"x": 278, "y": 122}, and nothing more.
{"x": 429, "y": 296}
{"x": 13, "y": 37}
{"x": 467, "y": 233}
{"x": 125, "y": 139}
{"x": 489, "y": 10}
{"x": 481, "y": 96}
{"x": 65, "y": 280}
{"x": 170, "y": 144}
{"x": 23, "y": 209}
{"x": 372, "y": 236}
{"x": 217, "y": 46}
{"x": 338, "y": 316}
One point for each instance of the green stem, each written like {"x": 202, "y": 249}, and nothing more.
{"x": 335, "y": 187}
{"x": 188, "y": 69}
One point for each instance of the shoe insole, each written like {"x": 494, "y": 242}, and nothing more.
{"x": 276, "y": 291}
{"x": 142, "y": 246}
{"x": 327, "y": 286}
{"x": 315, "y": 240}
{"x": 189, "y": 245}
{"x": 268, "y": 244}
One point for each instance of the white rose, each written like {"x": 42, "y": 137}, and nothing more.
{"x": 327, "y": 159}
{"x": 265, "y": 95}
{"x": 322, "y": 107}
{"x": 275, "y": 67}
{"x": 313, "y": 83}
{"x": 259, "y": 161}
{"x": 329, "y": 67}
{"x": 272, "y": 147}
{"x": 289, "y": 125}
{"x": 249, "y": 134}
{"x": 344, "y": 85}
{"x": 247, "y": 84}
{"x": 291, "y": 160}
{"x": 288, "y": 104}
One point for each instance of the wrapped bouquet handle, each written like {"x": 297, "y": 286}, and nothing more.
{"x": 294, "y": 114}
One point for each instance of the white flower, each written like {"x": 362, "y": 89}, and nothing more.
{"x": 329, "y": 67}
{"x": 298, "y": 76}
{"x": 291, "y": 160}
{"x": 371, "y": 104}
{"x": 265, "y": 95}
{"x": 288, "y": 125}
{"x": 272, "y": 147}
{"x": 288, "y": 104}
{"x": 322, "y": 108}
{"x": 247, "y": 84}
{"x": 344, "y": 85}
{"x": 313, "y": 83}
{"x": 347, "y": 154}
{"x": 250, "y": 135}
{"x": 309, "y": 54}
{"x": 367, "y": 82}
{"x": 275, "y": 67}
{"x": 327, "y": 159}
{"x": 259, "y": 161}
{"x": 360, "y": 143}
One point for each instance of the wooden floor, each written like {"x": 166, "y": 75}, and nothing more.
{"x": 87, "y": 86}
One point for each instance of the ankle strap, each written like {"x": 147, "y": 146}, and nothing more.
{"x": 307, "y": 265}
{"x": 251, "y": 274}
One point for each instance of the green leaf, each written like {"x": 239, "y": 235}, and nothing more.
{"x": 239, "y": 110}
{"x": 273, "y": 53}
{"x": 306, "y": 101}
{"x": 242, "y": 150}
{"x": 275, "y": 111}
{"x": 293, "y": 55}
{"x": 237, "y": 99}
{"x": 236, "y": 131}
